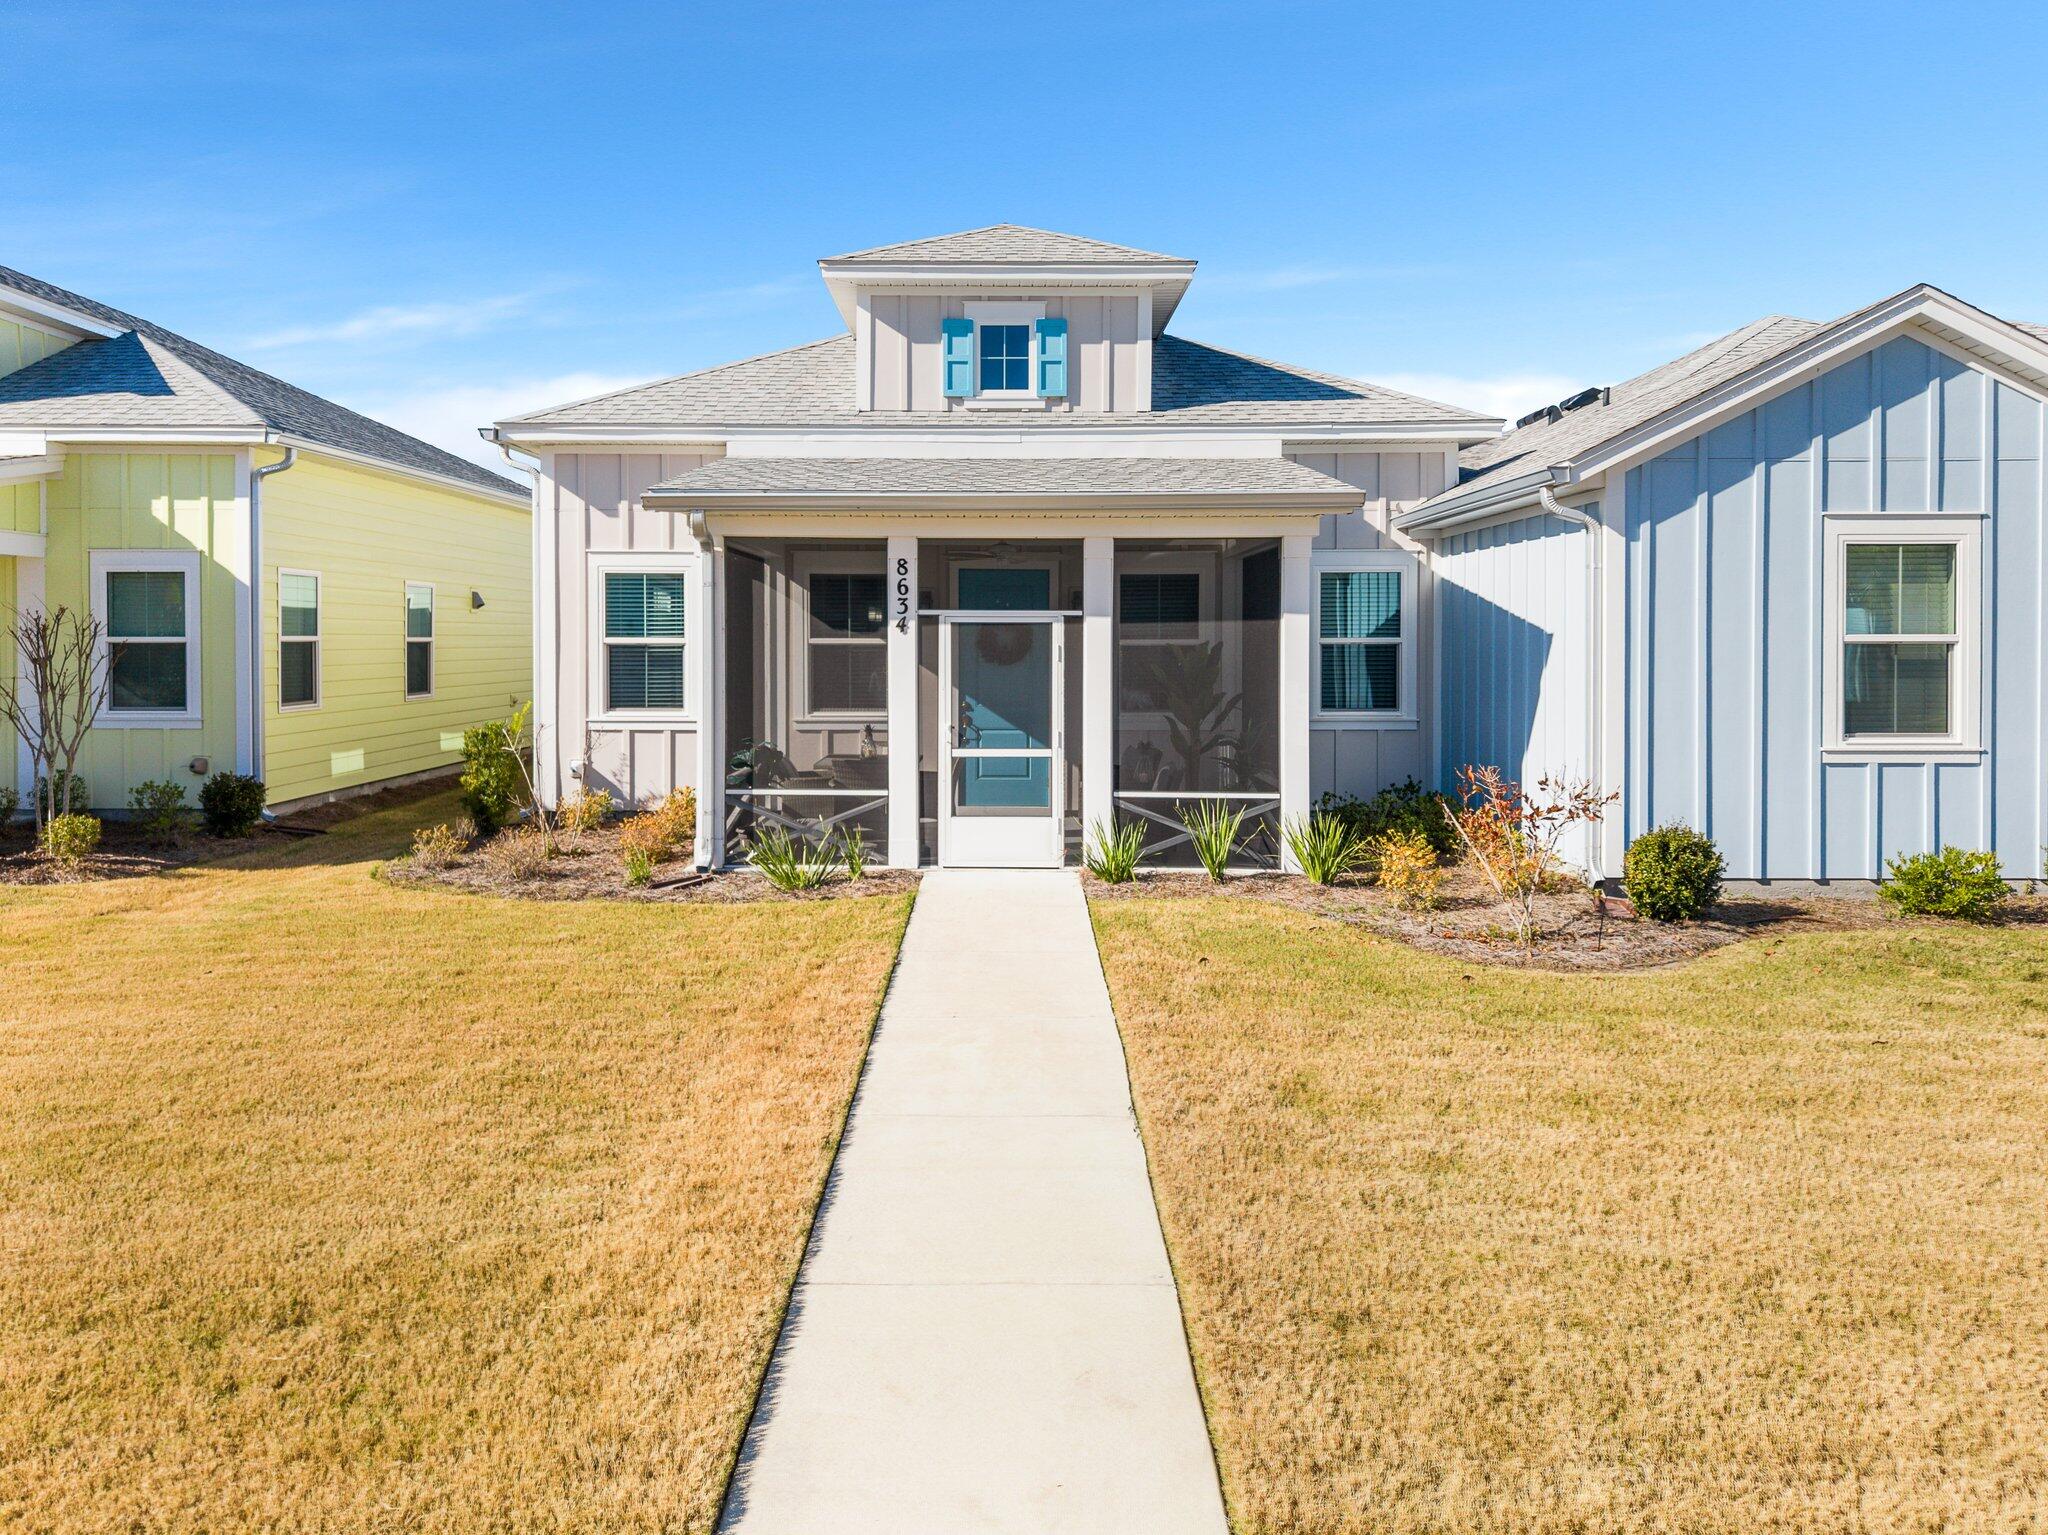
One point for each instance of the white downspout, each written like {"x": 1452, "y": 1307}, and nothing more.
{"x": 257, "y": 475}
{"x": 1591, "y": 527}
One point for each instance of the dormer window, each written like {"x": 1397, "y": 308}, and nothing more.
{"x": 1005, "y": 358}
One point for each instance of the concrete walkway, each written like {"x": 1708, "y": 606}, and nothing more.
{"x": 984, "y": 1335}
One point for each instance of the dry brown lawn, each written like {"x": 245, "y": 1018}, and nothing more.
{"x": 329, "y": 1205}
{"x": 1754, "y": 1243}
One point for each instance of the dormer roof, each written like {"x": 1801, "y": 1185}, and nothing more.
{"x": 1008, "y": 256}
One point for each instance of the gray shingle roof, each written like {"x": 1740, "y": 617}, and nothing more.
{"x": 1002, "y": 476}
{"x": 152, "y": 377}
{"x": 812, "y": 385}
{"x": 1547, "y": 443}
{"x": 1004, "y": 243}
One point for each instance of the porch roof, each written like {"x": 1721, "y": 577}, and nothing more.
{"x": 988, "y": 483}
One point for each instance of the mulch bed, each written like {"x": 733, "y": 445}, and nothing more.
{"x": 590, "y": 867}
{"x": 1470, "y": 922}
{"x": 126, "y": 851}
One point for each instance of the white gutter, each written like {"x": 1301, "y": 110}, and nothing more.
{"x": 258, "y": 473}
{"x": 1591, "y": 527}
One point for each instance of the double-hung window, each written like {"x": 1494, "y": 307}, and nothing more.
{"x": 1365, "y": 637}
{"x": 419, "y": 640}
{"x": 845, "y": 647}
{"x": 1904, "y": 599}
{"x": 645, "y": 632}
{"x": 148, "y": 606}
{"x": 298, "y": 639}
{"x": 1158, "y": 612}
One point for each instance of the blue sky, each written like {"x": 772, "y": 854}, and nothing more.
{"x": 442, "y": 214}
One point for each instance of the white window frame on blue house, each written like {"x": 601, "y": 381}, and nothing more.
{"x": 810, "y": 564}
{"x": 1405, "y": 715}
{"x": 599, "y": 710}
{"x": 1014, "y": 312}
{"x": 1964, "y": 738}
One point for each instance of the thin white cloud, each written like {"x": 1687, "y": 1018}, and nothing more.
{"x": 1507, "y": 395}
{"x": 449, "y": 417}
{"x": 1282, "y": 279}
{"x": 405, "y": 322}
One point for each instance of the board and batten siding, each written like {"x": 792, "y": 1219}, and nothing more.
{"x": 1516, "y": 668}
{"x": 22, "y": 344}
{"x": 10, "y": 743}
{"x": 1363, "y": 759}
{"x": 1109, "y": 348}
{"x": 1729, "y": 631}
{"x": 366, "y": 534}
{"x": 21, "y": 507}
{"x": 590, "y": 506}
{"x": 184, "y": 502}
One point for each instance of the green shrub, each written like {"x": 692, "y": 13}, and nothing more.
{"x": 1403, "y": 807}
{"x": 231, "y": 804}
{"x": 1113, "y": 854}
{"x": 1325, "y": 847}
{"x": 491, "y": 781}
{"x": 1672, "y": 874}
{"x": 10, "y": 801}
{"x": 158, "y": 806}
{"x": 1213, "y": 827}
{"x": 788, "y": 864}
{"x": 71, "y": 792}
{"x": 639, "y": 867}
{"x": 1950, "y": 883}
{"x": 70, "y": 839}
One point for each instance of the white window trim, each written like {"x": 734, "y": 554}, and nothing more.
{"x": 1966, "y": 676}
{"x": 831, "y": 563}
{"x": 101, "y": 564}
{"x": 1337, "y": 561}
{"x": 595, "y": 710}
{"x": 433, "y": 634}
{"x": 314, "y": 639}
{"x": 1014, "y": 312}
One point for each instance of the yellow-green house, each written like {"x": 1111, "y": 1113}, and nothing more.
{"x": 143, "y": 478}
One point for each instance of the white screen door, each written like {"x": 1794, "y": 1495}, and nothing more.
{"x": 1001, "y": 741}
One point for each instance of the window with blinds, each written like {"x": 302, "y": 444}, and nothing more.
{"x": 1358, "y": 641}
{"x": 1899, "y": 639}
{"x": 644, "y": 633}
{"x": 845, "y": 647}
{"x": 148, "y": 640}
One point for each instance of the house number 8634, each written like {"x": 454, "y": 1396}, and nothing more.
{"x": 903, "y": 596}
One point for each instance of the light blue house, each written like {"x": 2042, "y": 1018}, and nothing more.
{"x": 1790, "y": 589}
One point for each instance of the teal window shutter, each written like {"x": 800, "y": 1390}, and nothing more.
{"x": 957, "y": 357}
{"x": 1052, "y": 358}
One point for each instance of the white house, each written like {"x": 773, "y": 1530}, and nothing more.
{"x": 998, "y": 562}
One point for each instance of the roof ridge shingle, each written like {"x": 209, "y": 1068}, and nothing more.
{"x": 939, "y": 247}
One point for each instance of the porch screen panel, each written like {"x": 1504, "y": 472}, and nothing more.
{"x": 1197, "y": 666}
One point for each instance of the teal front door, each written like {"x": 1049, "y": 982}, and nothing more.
{"x": 1000, "y": 679}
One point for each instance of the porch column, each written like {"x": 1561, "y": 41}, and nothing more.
{"x": 707, "y": 685}
{"x": 1098, "y": 685}
{"x": 904, "y": 779}
{"x": 1295, "y": 640}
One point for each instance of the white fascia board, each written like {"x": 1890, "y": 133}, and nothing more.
{"x": 1306, "y": 504}
{"x": 157, "y": 437}
{"x": 16, "y": 468}
{"x": 1453, "y": 510}
{"x": 45, "y": 315}
{"x": 2027, "y": 354}
{"x": 1201, "y": 440}
{"x": 509, "y": 496}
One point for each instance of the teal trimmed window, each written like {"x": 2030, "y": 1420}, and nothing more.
{"x": 645, "y": 628}
{"x": 1005, "y": 358}
{"x": 1358, "y": 640}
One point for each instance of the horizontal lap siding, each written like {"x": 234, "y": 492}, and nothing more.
{"x": 161, "y": 501}
{"x": 592, "y": 506}
{"x": 10, "y": 744}
{"x": 1728, "y": 620}
{"x": 1364, "y": 761}
{"x": 366, "y": 535}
